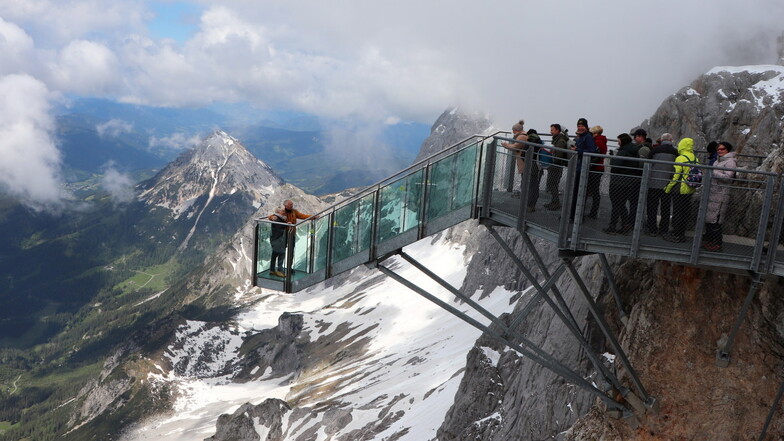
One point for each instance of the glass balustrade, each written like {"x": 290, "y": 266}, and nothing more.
{"x": 576, "y": 202}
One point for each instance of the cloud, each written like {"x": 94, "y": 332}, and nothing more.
{"x": 119, "y": 185}
{"x": 545, "y": 62}
{"x": 30, "y": 169}
{"x": 176, "y": 141}
{"x": 85, "y": 68}
{"x": 114, "y": 128}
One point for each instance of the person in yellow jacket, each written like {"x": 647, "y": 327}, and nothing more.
{"x": 680, "y": 191}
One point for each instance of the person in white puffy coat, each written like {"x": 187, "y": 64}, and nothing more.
{"x": 719, "y": 198}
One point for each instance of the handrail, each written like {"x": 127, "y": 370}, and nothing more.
{"x": 363, "y": 233}
{"x": 416, "y": 166}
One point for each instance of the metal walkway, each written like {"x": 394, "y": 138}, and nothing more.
{"x": 569, "y": 202}
{"x": 475, "y": 179}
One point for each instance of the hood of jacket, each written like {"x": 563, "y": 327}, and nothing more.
{"x": 686, "y": 145}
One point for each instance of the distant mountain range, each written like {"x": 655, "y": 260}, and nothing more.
{"x": 94, "y": 134}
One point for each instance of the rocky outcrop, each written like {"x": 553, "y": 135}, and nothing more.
{"x": 451, "y": 127}
{"x": 243, "y": 423}
{"x": 513, "y": 397}
{"x": 742, "y": 105}
{"x": 679, "y": 317}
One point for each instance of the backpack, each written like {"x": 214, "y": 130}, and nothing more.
{"x": 694, "y": 178}
{"x": 545, "y": 157}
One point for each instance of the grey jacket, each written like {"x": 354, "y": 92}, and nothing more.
{"x": 719, "y": 199}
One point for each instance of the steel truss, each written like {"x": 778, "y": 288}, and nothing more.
{"x": 633, "y": 405}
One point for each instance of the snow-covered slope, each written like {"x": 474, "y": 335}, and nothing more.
{"x": 404, "y": 358}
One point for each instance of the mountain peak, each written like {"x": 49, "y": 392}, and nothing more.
{"x": 220, "y": 165}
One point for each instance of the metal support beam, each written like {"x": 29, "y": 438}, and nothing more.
{"x": 556, "y": 368}
{"x": 723, "y": 354}
{"x": 772, "y": 412}
{"x": 613, "y": 287}
{"x": 565, "y": 315}
{"x": 605, "y": 328}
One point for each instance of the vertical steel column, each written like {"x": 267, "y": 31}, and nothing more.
{"x": 762, "y": 227}
{"x": 487, "y": 189}
{"x": 255, "y": 263}
{"x": 525, "y": 183}
{"x": 581, "y": 196}
{"x": 642, "y": 197}
{"x": 566, "y": 208}
{"x": 649, "y": 400}
{"x": 699, "y": 225}
{"x": 777, "y": 228}
{"x": 723, "y": 354}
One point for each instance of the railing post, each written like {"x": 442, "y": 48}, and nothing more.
{"x": 642, "y": 198}
{"x": 777, "y": 228}
{"x": 525, "y": 183}
{"x": 699, "y": 226}
{"x": 489, "y": 170}
{"x": 762, "y": 226}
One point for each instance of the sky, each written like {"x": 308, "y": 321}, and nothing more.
{"x": 612, "y": 62}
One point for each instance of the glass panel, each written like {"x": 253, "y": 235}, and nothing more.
{"x": 320, "y": 243}
{"x": 352, "y": 228}
{"x": 264, "y": 250}
{"x": 364, "y": 229}
{"x": 465, "y": 174}
{"x": 415, "y": 186}
{"x": 400, "y": 204}
{"x": 441, "y": 188}
{"x": 302, "y": 245}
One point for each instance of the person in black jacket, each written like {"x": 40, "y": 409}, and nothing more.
{"x": 657, "y": 201}
{"x": 624, "y": 185}
{"x": 278, "y": 242}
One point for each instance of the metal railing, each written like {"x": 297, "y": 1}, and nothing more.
{"x": 586, "y": 203}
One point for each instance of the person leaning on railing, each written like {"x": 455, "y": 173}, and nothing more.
{"x": 680, "y": 191}
{"x": 518, "y": 133}
{"x": 719, "y": 197}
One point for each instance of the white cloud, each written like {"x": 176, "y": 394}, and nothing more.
{"x": 16, "y": 47}
{"x": 176, "y": 141}
{"x": 86, "y": 68}
{"x": 408, "y": 60}
{"x": 113, "y": 128}
{"x": 119, "y": 185}
{"x": 30, "y": 169}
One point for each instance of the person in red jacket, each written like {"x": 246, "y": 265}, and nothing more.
{"x": 597, "y": 170}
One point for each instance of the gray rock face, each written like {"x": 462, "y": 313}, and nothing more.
{"x": 517, "y": 398}
{"x": 451, "y": 127}
{"x": 275, "y": 352}
{"x": 744, "y": 106}
{"x": 241, "y": 425}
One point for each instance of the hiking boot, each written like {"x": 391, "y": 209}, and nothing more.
{"x": 553, "y": 206}
{"x": 516, "y": 194}
{"x": 714, "y": 247}
{"x": 610, "y": 230}
{"x": 531, "y": 208}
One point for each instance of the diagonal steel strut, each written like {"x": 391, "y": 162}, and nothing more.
{"x": 608, "y": 334}
{"x": 553, "y": 366}
{"x": 566, "y": 316}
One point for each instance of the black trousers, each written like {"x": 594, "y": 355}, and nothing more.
{"x": 713, "y": 234}
{"x": 681, "y": 210}
{"x": 594, "y": 181}
{"x": 658, "y": 202}
{"x": 533, "y": 185}
{"x": 554, "y": 173}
